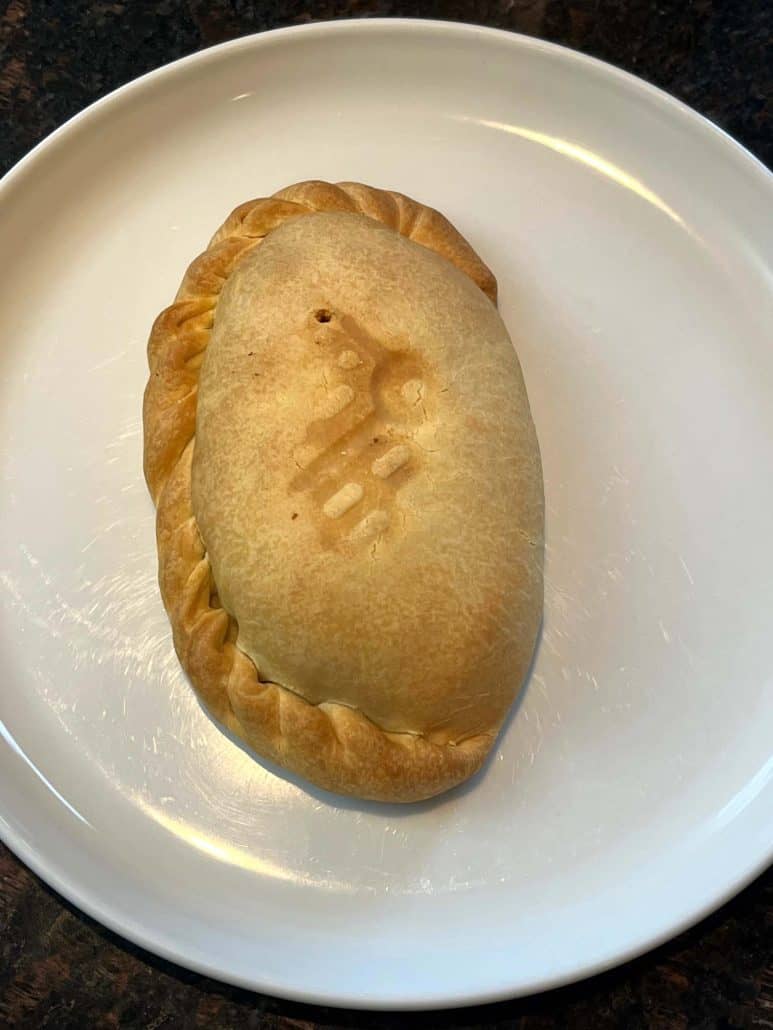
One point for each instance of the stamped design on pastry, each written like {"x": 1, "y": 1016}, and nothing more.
{"x": 358, "y": 449}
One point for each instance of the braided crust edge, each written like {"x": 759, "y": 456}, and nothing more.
{"x": 332, "y": 745}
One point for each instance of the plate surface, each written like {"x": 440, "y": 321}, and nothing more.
{"x": 632, "y": 790}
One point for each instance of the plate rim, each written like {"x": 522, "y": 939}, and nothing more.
{"x": 517, "y": 39}
{"x": 93, "y": 905}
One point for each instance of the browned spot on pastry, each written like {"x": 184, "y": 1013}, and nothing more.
{"x": 357, "y": 450}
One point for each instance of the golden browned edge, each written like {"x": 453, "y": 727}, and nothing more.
{"x": 332, "y": 745}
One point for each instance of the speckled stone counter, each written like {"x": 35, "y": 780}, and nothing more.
{"x": 58, "y": 968}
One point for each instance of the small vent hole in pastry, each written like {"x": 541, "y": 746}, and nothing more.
{"x": 323, "y": 315}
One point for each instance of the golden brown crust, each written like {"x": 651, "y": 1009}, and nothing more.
{"x": 335, "y": 746}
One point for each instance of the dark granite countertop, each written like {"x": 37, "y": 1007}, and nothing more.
{"x": 58, "y": 968}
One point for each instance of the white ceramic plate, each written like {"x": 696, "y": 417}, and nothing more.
{"x": 632, "y": 790}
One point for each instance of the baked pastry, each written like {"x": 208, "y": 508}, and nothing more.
{"x": 350, "y": 510}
